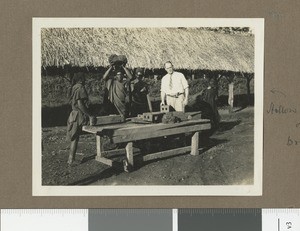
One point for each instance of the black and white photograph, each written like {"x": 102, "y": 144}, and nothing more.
{"x": 147, "y": 106}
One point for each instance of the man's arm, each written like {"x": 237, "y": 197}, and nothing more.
{"x": 163, "y": 97}
{"x": 128, "y": 73}
{"x": 162, "y": 92}
{"x": 185, "y": 86}
{"x": 145, "y": 89}
{"x": 83, "y": 108}
{"x": 186, "y": 96}
{"x": 106, "y": 74}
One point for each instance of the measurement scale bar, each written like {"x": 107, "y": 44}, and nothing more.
{"x": 223, "y": 219}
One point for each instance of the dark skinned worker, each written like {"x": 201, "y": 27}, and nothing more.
{"x": 117, "y": 93}
{"x": 80, "y": 114}
{"x": 139, "y": 94}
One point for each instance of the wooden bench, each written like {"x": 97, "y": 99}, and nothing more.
{"x": 130, "y": 132}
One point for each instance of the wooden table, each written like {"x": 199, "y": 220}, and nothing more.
{"x": 130, "y": 132}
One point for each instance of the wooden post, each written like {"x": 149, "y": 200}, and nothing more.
{"x": 230, "y": 79}
{"x": 99, "y": 144}
{"x": 249, "y": 78}
{"x": 217, "y": 84}
{"x": 230, "y": 96}
{"x": 193, "y": 75}
{"x": 129, "y": 154}
{"x": 195, "y": 144}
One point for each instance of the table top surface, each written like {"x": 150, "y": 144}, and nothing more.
{"x": 129, "y": 126}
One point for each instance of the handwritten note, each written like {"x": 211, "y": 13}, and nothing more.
{"x": 280, "y": 109}
{"x": 280, "y": 106}
{"x": 292, "y": 141}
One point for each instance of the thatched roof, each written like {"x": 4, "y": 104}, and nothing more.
{"x": 187, "y": 48}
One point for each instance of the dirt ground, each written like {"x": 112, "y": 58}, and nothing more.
{"x": 227, "y": 158}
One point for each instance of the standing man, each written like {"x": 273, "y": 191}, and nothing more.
{"x": 117, "y": 94}
{"x": 174, "y": 88}
{"x": 80, "y": 114}
{"x": 209, "y": 95}
{"x": 139, "y": 94}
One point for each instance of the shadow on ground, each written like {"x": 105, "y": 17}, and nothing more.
{"x": 225, "y": 126}
{"x": 115, "y": 170}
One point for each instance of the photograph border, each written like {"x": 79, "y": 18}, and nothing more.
{"x": 140, "y": 190}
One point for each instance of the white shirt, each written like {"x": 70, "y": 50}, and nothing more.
{"x": 179, "y": 83}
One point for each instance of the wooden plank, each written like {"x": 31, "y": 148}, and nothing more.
{"x": 112, "y": 153}
{"x": 185, "y": 116}
{"x": 149, "y": 132}
{"x": 90, "y": 129}
{"x": 104, "y": 160}
{"x": 141, "y": 134}
{"x": 123, "y": 126}
{"x": 99, "y": 145}
{"x": 111, "y": 119}
{"x": 167, "y": 153}
{"x": 99, "y": 129}
{"x": 102, "y": 130}
{"x": 194, "y": 115}
{"x": 119, "y": 152}
{"x": 132, "y": 128}
{"x": 139, "y": 120}
{"x": 195, "y": 144}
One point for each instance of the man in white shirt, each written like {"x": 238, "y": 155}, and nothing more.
{"x": 174, "y": 89}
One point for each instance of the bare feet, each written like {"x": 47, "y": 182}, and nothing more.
{"x": 70, "y": 161}
{"x": 125, "y": 166}
{"x": 72, "y": 164}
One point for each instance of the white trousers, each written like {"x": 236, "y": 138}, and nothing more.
{"x": 176, "y": 103}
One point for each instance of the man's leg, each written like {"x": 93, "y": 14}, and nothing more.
{"x": 179, "y": 103}
{"x": 73, "y": 149}
{"x": 171, "y": 102}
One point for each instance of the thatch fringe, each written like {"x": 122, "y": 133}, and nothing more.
{"x": 187, "y": 48}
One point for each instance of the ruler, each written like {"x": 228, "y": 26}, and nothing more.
{"x": 150, "y": 219}
{"x": 281, "y": 219}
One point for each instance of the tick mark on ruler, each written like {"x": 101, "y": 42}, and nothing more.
{"x": 278, "y": 224}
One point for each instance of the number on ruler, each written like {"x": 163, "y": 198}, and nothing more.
{"x": 288, "y": 225}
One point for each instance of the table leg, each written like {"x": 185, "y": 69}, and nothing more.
{"x": 195, "y": 144}
{"x": 129, "y": 154}
{"x": 100, "y": 152}
{"x": 99, "y": 144}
